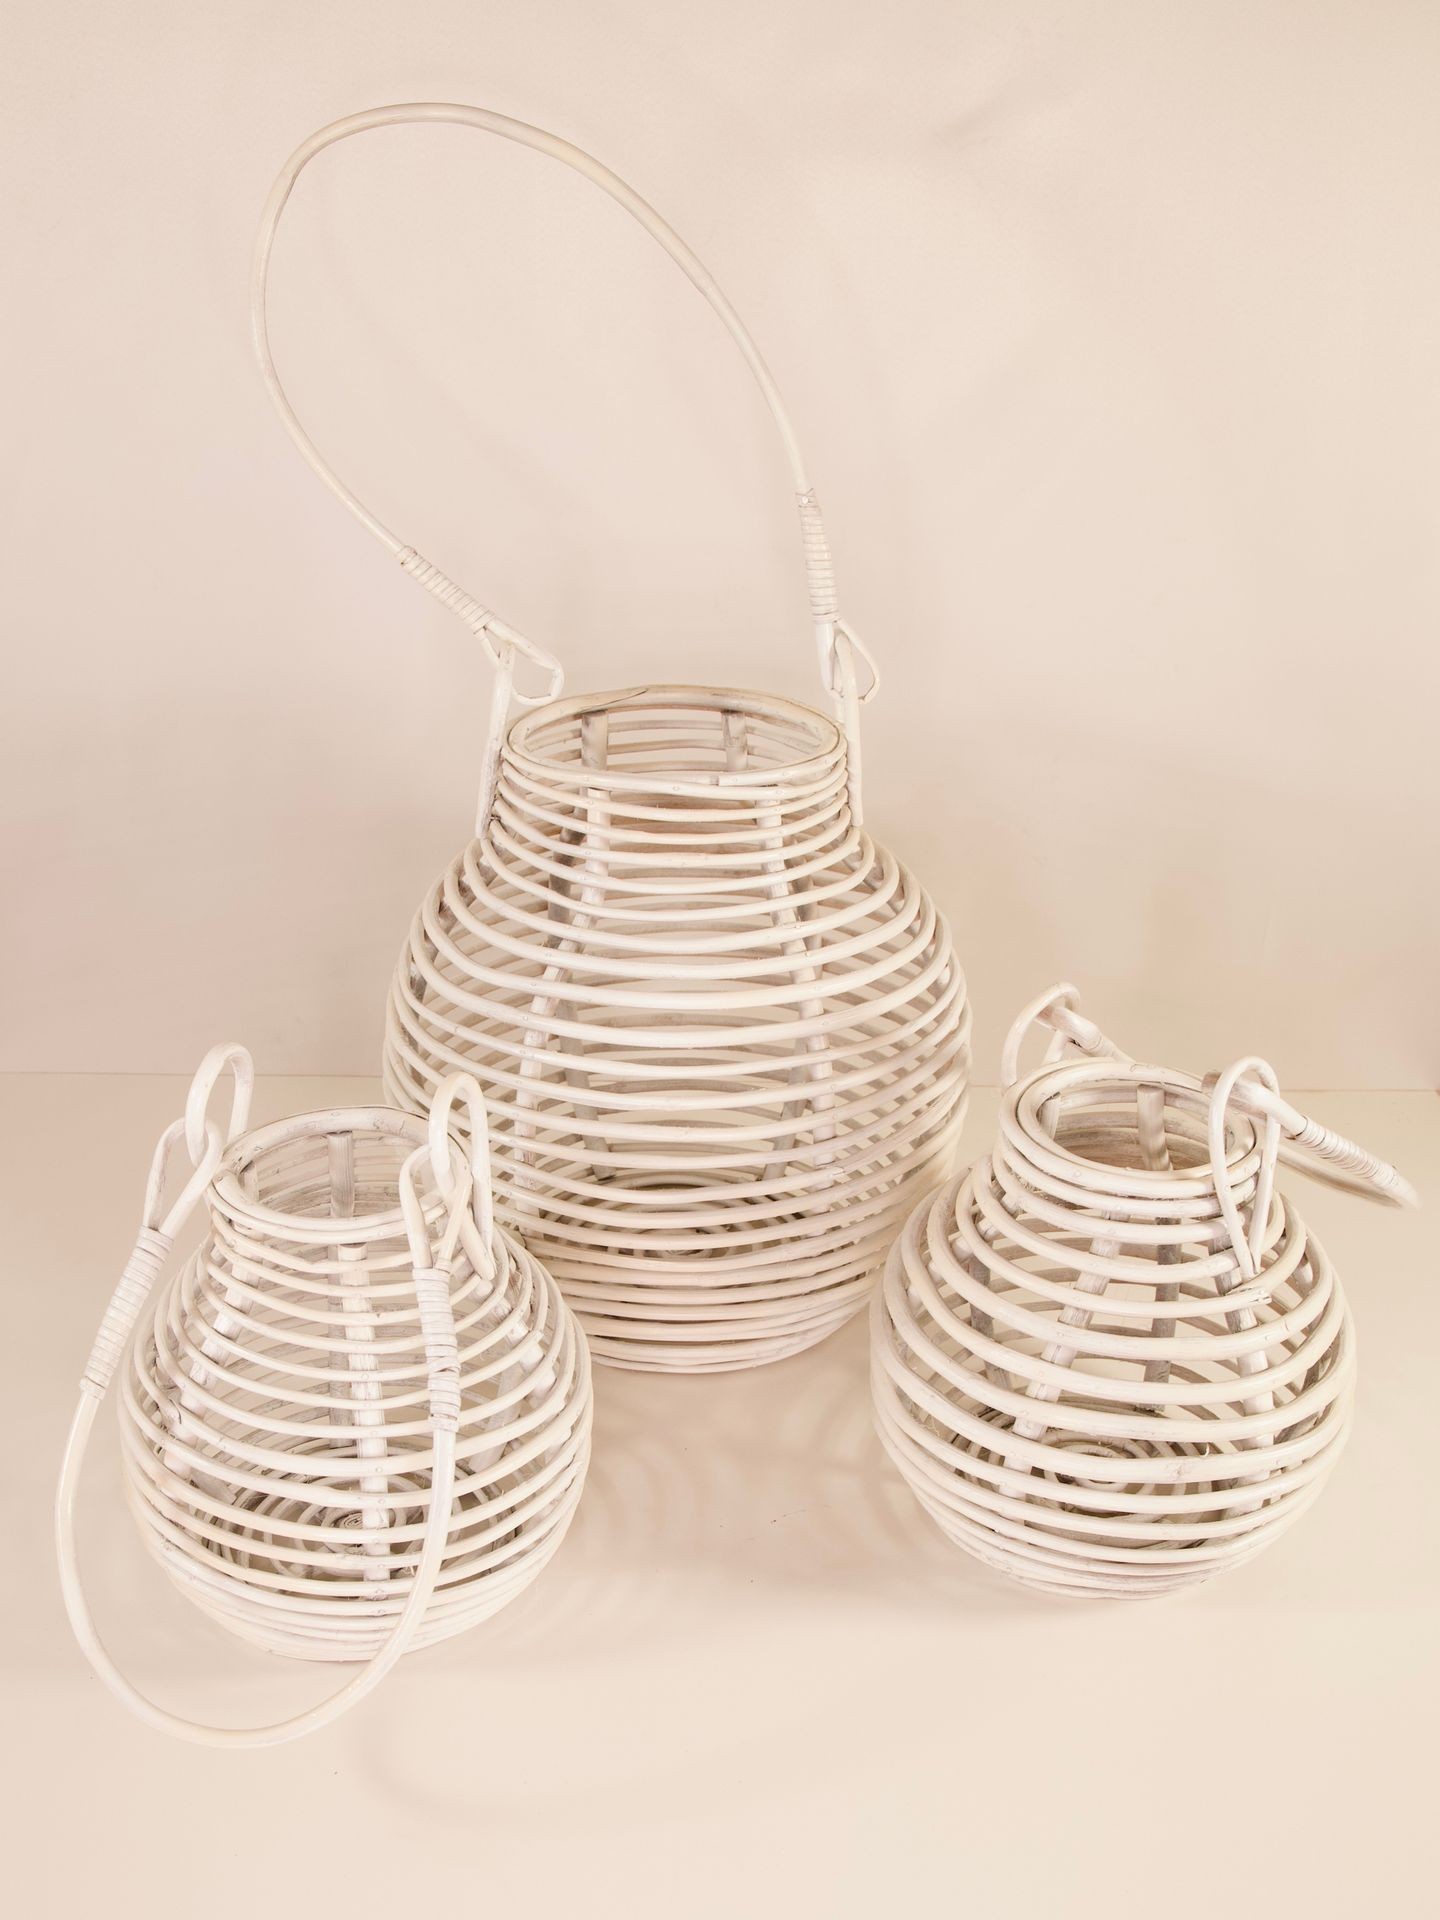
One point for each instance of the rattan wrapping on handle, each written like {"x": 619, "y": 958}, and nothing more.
{"x": 147, "y": 1257}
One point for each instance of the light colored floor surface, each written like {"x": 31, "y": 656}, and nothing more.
{"x": 754, "y": 1681}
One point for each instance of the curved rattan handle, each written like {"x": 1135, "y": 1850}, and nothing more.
{"x": 836, "y": 643}
{"x": 1250, "y": 1086}
{"x": 152, "y": 1247}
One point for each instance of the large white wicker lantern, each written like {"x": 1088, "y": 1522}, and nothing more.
{"x": 723, "y": 1035}
{"x": 1111, "y": 1359}
{"x": 357, "y": 1419}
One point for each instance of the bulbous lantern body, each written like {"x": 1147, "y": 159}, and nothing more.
{"x": 357, "y": 1419}
{"x": 1111, "y": 1359}
{"x": 723, "y": 1035}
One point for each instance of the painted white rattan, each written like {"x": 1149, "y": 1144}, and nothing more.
{"x": 1110, "y": 1359}
{"x": 724, "y": 1036}
{"x": 357, "y": 1420}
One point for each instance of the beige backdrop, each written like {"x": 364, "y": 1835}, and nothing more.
{"x": 1110, "y": 331}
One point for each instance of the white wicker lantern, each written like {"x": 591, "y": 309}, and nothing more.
{"x": 1110, "y": 1359}
{"x": 724, "y": 1036}
{"x": 357, "y": 1420}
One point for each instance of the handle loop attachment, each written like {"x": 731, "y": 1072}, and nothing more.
{"x": 1223, "y": 1089}
{"x": 1058, "y": 1008}
{"x": 228, "y": 1055}
{"x": 463, "y": 1090}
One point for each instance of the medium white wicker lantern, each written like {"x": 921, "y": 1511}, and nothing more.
{"x": 1110, "y": 1359}
{"x": 357, "y": 1420}
{"x": 724, "y": 1036}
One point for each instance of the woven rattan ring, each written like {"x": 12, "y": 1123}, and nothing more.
{"x": 1111, "y": 1359}
{"x": 357, "y": 1420}
{"x": 723, "y": 1035}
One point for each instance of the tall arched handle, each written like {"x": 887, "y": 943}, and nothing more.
{"x": 147, "y": 1259}
{"x": 836, "y": 643}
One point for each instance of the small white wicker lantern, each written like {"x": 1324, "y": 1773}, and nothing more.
{"x": 357, "y": 1420}
{"x": 724, "y": 1035}
{"x": 1110, "y": 1359}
